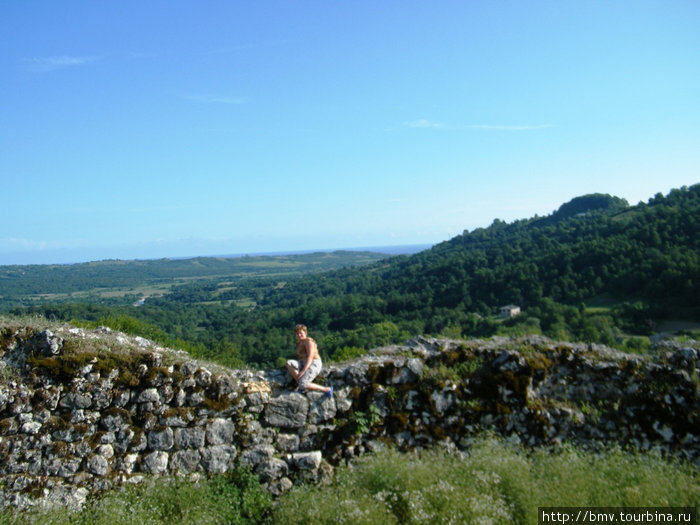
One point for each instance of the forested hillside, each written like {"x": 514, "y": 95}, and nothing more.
{"x": 595, "y": 270}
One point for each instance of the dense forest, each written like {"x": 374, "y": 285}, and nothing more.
{"x": 596, "y": 270}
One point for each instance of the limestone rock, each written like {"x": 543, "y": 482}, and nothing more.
{"x": 287, "y": 410}
{"x": 45, "y": 344}
{"x": 189, "y": 437}
{"x": 220, "y": 432}
{"x": 186, "y": 461}
{"x": 155, "y": 462}
{"x": 218, "y": 458}
{"x": 162, "y": 439}
{"x": 272, "y": 469}
{"x": 97, "y": 465}
{"x": 306, "y": 460}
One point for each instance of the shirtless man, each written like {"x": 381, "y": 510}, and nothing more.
{"x": 307, "y": 364}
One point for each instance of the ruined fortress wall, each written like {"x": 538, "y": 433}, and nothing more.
{"x": 74, "y": 422}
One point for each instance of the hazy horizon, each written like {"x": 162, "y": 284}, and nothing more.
{"x": 53, "y": 259}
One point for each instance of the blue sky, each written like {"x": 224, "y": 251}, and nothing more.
{"x": 132, "y": 129}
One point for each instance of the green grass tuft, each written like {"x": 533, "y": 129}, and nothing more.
{"x": 233, "y": 498}
{"x": 495, "y": 483}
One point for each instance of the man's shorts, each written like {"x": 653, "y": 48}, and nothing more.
{"x": 310, "y": 374}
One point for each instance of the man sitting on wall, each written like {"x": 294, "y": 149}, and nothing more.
{"x": 307, "y": 364}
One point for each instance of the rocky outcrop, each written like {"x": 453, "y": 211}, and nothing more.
{"x": 81, "y": 412}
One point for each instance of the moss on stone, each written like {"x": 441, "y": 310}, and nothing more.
{"x": 397, "y": 422}
{"x": 60, "y": 448}
{"x": 55, "y": 423}
{"x": 217, "y": 405}
{"x": 138, "y": 435}
{"x": 8, "y": 426}
{"x": 373, "y": 373}
{"x": 96, "y": 439}
{"x": 118, "y": 412}
{"x": 68, "y": 365}
{"x": 437, "y": 432}
{"x": 35, "y": 489}
{"x": 82, "y": 428}
{"x": 182, "y": 412}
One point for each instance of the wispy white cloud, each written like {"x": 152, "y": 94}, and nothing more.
{"x": 129, "y": 209}
{"x": 423, "y": 123}
{"x": 45, "y": 64}
{"x": 142, "y": 54}
{"x": 509, "y": 127}
{"x": 15, "y": 244}
{"x": 209, "y": 99}
{"x": 229, "y": 49}
{"x": 430, "y": 124}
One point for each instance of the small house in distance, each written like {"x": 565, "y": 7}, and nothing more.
{"x": 509, "y": 310}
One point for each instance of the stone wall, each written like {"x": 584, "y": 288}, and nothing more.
{"x": 82, "y": 412}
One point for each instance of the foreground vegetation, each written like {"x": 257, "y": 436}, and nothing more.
{"x": 494, "y": 483}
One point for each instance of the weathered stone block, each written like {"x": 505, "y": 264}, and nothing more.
{"x": 442, "y": 400}
{"x": 126, "y": 463}
{"x": 74, "y": 433}
{"x": 31, "y": 427}
{"x": 256, "y": 401}
{"x": 306, "y": 460}
{"x": 161, "y": 439}
{"x": 254, "y": 456}
{"x": 101, "y": 397}
{"x": 322, "y": 408}
{"x": 189, "y": 437}
{"x": 356, "y": 374}
{"x": 196, "y": 398}
{"x": 220, "y": 432}
{"x": 287, "y": 411}
{"x": 121, "y": 398}
{"x": 250, "y": 433}
{"x": 410, "y": 373}
{"x": 186, "y": 461}
{"x": 150, "y": 395}
{"x": 225, "y": 385}
{"x": 218, "y": 458}
{"x": 277, "y": 488}
{"x": 46, "y": 344}
{"x": 9, "y": 426}
{"x": 74, "y": 400}
{"x": 287, "y": 442}
{"x": 62, "y": 467}
{"x": 122, "y": 440}
{"x": 106, "y": 451}
{"x": 203, "y": 378}
{"x": 115, "y": 420}
{"x": 155, "y": 462}
{"x": 188, "y": 368}
{"x": 139, "y": 442}
{"x": 272, "y": 469}
{"x": 97, "y": 465}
